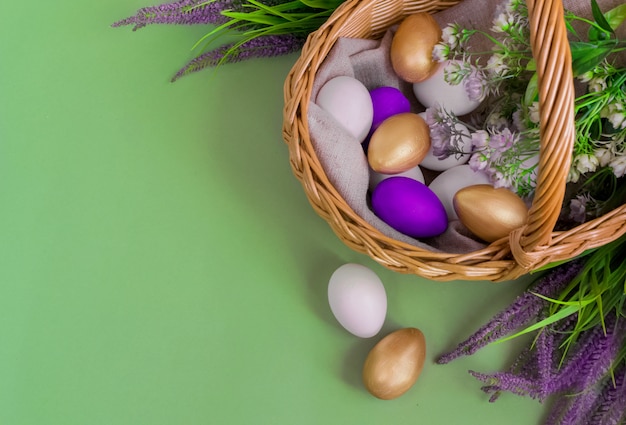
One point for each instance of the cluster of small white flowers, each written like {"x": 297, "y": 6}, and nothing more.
{"x": 613, "y": 155}
{"x": 450, "y": 36}
{"x": 608, "y": 149}
{"x": 452, "y": 44}
{"x": 496, "y": 65}
{"x": 511, "y": 19}
{"x": 586, "y": 163}
{"x": 606, "y": 156}
{"x": 582, "y": 164}
{"x": 503, "y": 22}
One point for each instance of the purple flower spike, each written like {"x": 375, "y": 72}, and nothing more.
{"x": 545, "y": 352}
{"x": 520, "y": 313}
{"x": 504, "y": 381}
{"x": 594, "y": 354}
{"x": 612, "y": 402}
{"x": 577, "y": 412}
{"x": 181, "y": 12}
{"x": 263, "y": 46}
{"x": 558, "y": 410}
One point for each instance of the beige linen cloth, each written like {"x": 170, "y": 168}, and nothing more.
{"x": 342, "y": 156}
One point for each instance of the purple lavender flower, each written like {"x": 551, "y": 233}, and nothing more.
{"x": 587, "y": 394}
{"x": 181, "y": 12}
{"x": 475, "y": 87}
{"x": 545, "y": 349}
{"x": 612, "y": 401}
{"x": 520, "y": 313}
{"x": 604, "y": 403}
{"x": 559, "y": 407}
{"x": 533, "y": 370}
{"x": 262, "y": 46}
{"x": 577, "y": 410}
{"x": 504, "y": 381}
{"x": 592, "y": 357}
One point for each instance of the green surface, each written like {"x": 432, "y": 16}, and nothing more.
{"x": 161, "y": 265}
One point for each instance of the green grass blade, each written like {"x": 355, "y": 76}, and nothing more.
{"x": 254, "y": 18}
{"x": 561, "y": 314}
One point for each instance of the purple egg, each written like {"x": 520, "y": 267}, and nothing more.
{"x": 387, "y": 101}
{"x": 410, "y": 207}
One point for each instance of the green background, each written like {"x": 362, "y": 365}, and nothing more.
{"x": 159, "y": 262}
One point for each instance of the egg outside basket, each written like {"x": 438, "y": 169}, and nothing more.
{"x": 526, "y": 248}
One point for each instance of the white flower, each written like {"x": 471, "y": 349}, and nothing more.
{"x": 573, "y": 175}
{"x": 597, "y": 84}
{"x": 502, "y": 22}
{"x": 441, "y": 52}
{"x": 616, "y": 115}
{"x": 496, "y": 65}
{"x": 450, "y": 36}
{"x": 586, "y": 163}
{"x": 618, "y": 165}
{"x": 533, "y": 113}
{"x": 604, "y": 155}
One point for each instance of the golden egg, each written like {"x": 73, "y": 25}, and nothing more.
{"x": 401, "y": 142}
{"x": 394, "y": 364}
{"x": 412, "y": 46}
{"x": 489, "y": 213}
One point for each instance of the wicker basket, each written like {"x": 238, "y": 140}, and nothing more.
{"x": 525, "y": 249}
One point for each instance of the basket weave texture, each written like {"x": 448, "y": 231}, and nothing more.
{"x": 526, "y": 248}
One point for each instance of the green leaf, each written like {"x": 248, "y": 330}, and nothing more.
{"x": 586, "y": 56}
{"x": 612, "y": 19}
{"x": 581, "y": 303}
{"x": 570, "y": 28}
{"x": 322, "y": 4}
{"x": 599, "y": 17}
{"x": 561, "y": 314}
{"x": 272, "y": 10}
{"x": 532, "y": 90}
{"x": 253, "y": 18}
{"x": 616, "y": 16}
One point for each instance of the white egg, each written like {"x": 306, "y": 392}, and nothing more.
{"x": 433, "y": 163}
{"x": 349, "y": 102}
{"x": 414, "y": 173}
{"x": 449, "y": 182}
{"x": 357, "y": 299}
{"x": 452, "y": 98}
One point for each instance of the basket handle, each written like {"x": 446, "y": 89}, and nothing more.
{"x": 551, "y": 51}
